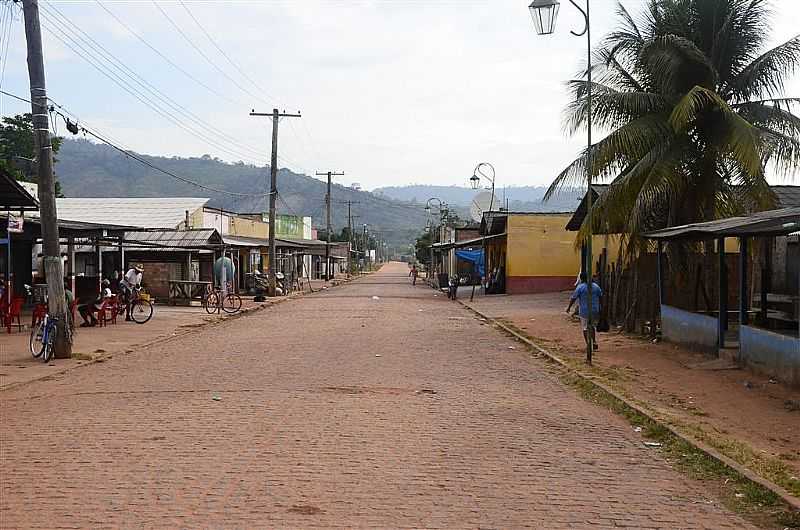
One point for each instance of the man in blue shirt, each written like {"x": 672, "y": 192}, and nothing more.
{"x": 581, "y": 294}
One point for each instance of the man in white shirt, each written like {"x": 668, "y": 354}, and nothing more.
{"x": 132, "y": 280}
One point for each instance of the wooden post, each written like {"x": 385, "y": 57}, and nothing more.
{"x": 723, "y": 294}
{"x": 660, "y": 272}
{"x": 743, "y": 289}
{"x": 766, "y": 277}
{"x": 54, "y": 267}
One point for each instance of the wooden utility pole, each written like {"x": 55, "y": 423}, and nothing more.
{"x": 349, "y": 240}
{"x": 53, "y": 266}
{"x": 328, "y": 229}
{"x": 273, "y": 188}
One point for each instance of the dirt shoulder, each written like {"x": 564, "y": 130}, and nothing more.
{"x": 744, "y": 416}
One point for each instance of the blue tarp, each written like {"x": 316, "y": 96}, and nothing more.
{"x": 473, "y": 256}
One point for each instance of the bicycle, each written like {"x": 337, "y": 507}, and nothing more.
{"x": 214, "y": 301}
{"x": 139, "y": 308}
{"x": 43, "y": 336}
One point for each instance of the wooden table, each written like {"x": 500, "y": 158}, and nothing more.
{"x": 187, "y": 290}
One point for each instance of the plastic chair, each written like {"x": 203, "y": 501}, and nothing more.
{"x": 13, "y": 313}
{"x": 39, "y": 311}
{"x": 107, "y": 312}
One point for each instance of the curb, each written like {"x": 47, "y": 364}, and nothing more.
{"x": 792, "y": 501}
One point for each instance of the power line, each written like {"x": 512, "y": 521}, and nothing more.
{"x": 225, "y": 55}
{"x": 102, "y": 56}
{"x": 203, "y": 54}
{"x": 167, "y": 59}
{"x": 135, "y": 156}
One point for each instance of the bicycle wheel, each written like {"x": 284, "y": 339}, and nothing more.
{"x": 47, "y": 352}
{"x": 210, "y": 303}
{"x": 232, "y": 303}
{"x": 141, "y": 311}
{"x": 36, "y": 344}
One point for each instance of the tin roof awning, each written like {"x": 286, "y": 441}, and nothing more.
{"x": 475, "y": 242}
{"x": 13, "y": 196}
{"x": 781, "y": 222}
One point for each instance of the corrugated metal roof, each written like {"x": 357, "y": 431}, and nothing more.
{"x": 772, "y": 222}
{"x": 144, "y": 212}
{"x": 241, "y": 241}
{"x": 174, "y": 239}
{"x": 13, "y": 195}
{"x": 788, "y": 196}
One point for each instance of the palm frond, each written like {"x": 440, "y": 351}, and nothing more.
{"x": 610, "y": 107}
{"x": 764, "y": 76}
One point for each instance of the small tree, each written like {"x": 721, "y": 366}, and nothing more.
{"x": 17, "y": 148}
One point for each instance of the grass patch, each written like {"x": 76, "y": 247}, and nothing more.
{"x": 82, "y": 356}
{"x": 737, "y": 492}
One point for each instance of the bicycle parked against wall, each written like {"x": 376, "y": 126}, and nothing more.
{"x": 215, "y": 301}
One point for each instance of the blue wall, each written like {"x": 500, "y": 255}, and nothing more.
{"x": 770, "y": 353}
{"x": 685, "y": 327}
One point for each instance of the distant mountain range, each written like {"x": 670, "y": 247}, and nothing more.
{"x": 520, "y": 199}
{"x": 87, "y": 169}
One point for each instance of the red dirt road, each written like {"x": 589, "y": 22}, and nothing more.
{"x": 333, "y": 410}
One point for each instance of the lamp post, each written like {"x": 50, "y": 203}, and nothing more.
{"x": 475, "y": 182}
{"x": 544, "y": 14}
{"x": 440, "y": 207}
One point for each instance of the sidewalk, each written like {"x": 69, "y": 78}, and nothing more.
{"x": 742, "y": 415}
{"x": 18, "y": 366}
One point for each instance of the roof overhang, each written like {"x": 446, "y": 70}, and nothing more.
{"x": 13, "y": 196}
{"x": 781, "y": 222}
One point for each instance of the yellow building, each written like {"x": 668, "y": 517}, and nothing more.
{"x": 533, "y": 252}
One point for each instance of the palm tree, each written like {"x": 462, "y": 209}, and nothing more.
{"x": 695, "y": 111}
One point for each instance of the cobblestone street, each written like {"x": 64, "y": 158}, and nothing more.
{"x": 333, "y": 410}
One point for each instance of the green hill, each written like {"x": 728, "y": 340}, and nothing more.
{"x": 87, "y": 169}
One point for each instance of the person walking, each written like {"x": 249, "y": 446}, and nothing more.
{"x": 413, "y": 274}
{"x": 587, "y": 296}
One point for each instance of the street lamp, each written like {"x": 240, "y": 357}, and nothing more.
{"x": 475, "y": 181}
{"x": 544, "y": 13}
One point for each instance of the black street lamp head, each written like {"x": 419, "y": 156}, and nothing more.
{"x": 474, "y": 181}
{"x": 544, "y": 14}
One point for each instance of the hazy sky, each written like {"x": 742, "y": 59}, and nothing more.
{"x": 391, "y": 92}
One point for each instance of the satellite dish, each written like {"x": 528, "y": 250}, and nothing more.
{"x": 481, "y": 203}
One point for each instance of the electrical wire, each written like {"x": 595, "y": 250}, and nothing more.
{"x": 99, "y": 136}
{"x": 169, "y": 61}
{"x": 206, "y": 57}
{"x": 225, "y": 55}
{"x": 144, "y": 100}
{"x": 148, "y": 92}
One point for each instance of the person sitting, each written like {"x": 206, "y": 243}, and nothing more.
{"x": 88, "y": 311}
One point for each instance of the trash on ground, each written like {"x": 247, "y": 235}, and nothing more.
{"x": 773, "y": 381}
{"x": 216, "y": 398}
{"x": 377, "y": 355}
{"x": 738, "y": 495}
{"x": 376, "y": 297}
{"x": 637, "y": 429}
{"x": 748, "y": 384}
{"x": 420, "y": 310}
{"x": 653, "y": 444}
{"x": 511, "y": 348}
{"x": 426, "y": 391}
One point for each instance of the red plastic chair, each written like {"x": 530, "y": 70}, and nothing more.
{"x": 13, "y": 313}
{"x": 107, "y": 312}
{"x": 39, "y": 311}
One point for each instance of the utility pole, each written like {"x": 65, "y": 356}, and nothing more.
{"x": 349, "y": 240}
{"x": 53, "y": 266}
{"x": 328, "y": 230}
{"x": 273, "y": 188}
